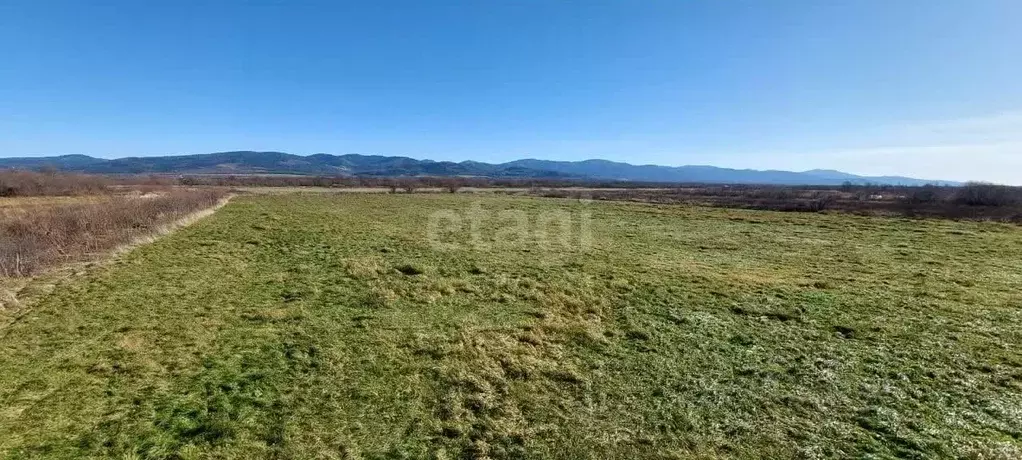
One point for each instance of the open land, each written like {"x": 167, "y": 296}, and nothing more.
{"x": 472, "y": 326}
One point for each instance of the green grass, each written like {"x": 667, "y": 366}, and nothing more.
{"x": 328, "y": 326}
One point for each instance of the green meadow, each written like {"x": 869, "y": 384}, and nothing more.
{"x": 487, "y": 326}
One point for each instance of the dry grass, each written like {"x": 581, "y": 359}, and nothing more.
{"x": 36, "y": 233}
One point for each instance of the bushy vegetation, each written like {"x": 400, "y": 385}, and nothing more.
{"x": 36, "y": 235}
{"x": 972, "y": 201}
{"x": 330, "y": 327}
{"x": 979, "y": 194}
{"x": 50, "y": 182}
{"x": 15, "y": 183}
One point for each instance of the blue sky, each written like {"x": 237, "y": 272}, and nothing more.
{"x": 923, "y": 88}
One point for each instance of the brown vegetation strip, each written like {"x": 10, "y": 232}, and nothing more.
{"x": 36, "y": 237}
{"x": 974, "y": 201}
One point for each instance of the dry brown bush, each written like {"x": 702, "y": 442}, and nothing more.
{"x": 980, "y": 194}
{"x": 38, "y": 237}
{"x": 50, "y": 183}
{"x": 972, "y": 201}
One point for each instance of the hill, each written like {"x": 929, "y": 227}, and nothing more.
{"x": 249, "y": 162}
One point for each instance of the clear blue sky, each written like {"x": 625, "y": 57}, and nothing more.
{"x": 928, "y": 88}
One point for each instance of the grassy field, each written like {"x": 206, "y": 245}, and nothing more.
{"x": 349, "y": 326}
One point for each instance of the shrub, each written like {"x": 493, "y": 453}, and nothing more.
{"x": 820, "y": 204}
{"x": 15, "y": 183}
{"x": 980, "y": 194}
{"x": 923, "y": 195}
{"x": 34, "y": 239}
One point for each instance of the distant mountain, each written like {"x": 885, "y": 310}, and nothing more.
{"x": 63, "y": 162}
{"x": 246, "y": 162}
{"x": 604, "y": 169}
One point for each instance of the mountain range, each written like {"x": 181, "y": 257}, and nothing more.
{"x": 249, "y": 162}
